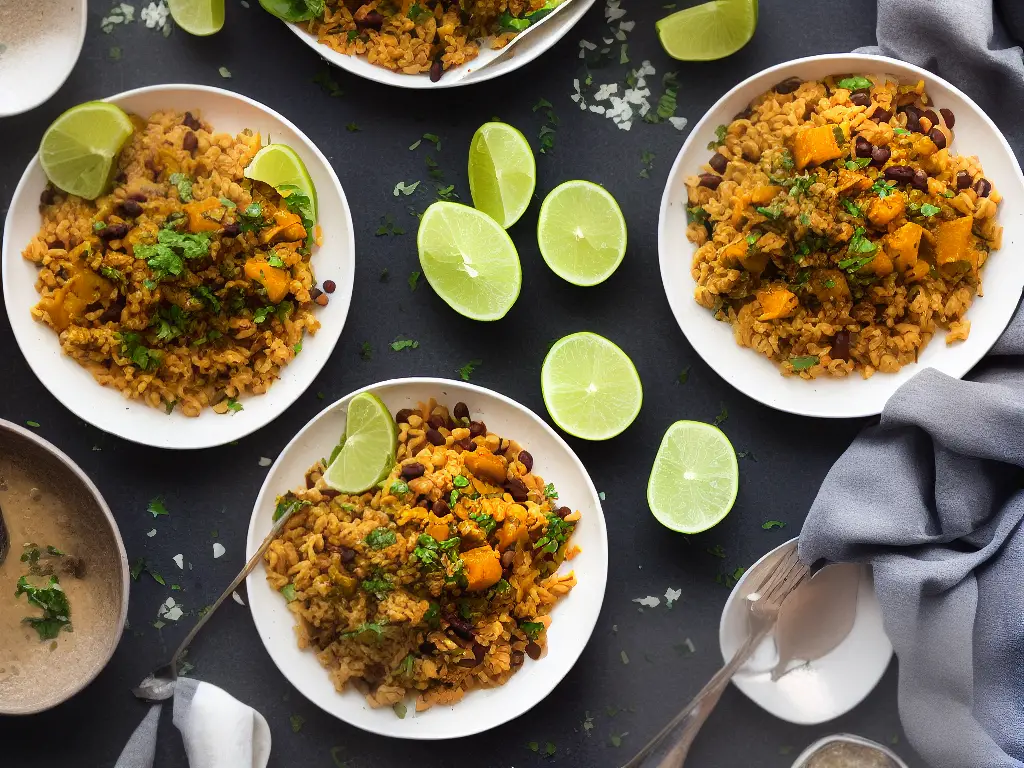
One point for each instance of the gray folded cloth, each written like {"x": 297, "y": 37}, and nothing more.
{"x": 932, "y": 496}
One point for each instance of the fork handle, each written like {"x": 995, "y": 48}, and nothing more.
{"x": 669, "y": 748}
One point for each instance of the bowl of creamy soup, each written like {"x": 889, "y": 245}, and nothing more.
{"x": 63, "y": 576}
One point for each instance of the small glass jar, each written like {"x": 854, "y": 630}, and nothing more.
{"x": 843, "y": 750}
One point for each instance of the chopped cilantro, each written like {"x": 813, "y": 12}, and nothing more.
{"x": 399, "y": 344}
{"x": 839, "y": 135}
{"x": 769, "y": 524}
{"x": 882, "y": 188}
{"x": 274, "y": 260}
{"x": 901, "y": 131}
{"x": 850, "y": 207}
{"x": 772, "y": 212}
{"x": 722, "y": 416}
{"x": 204, "y": 294}
{"x": 352, "y": 127}
{"x": 288, "y": 592}
{"x": 234, "y": 406}
{"x": 467, "y": 370}
{"x": 857, "y": 163}
{"x": 414, "y": 279}
{"x": 720, "y": 133}
{"x": 399, "y": 488}
{"x": 166, "y": 256}
{"x": 33, "y": 424}
{"x": 183, "y": 184}
{"x": 805, "y": 219}
{"x": 486, "y": 522}
{"x": 531, "y": 629}
{"x": 387, "y": 227}
{"x": 400, "y": 710}
{"x": 684, "y": 375}
{"x": 667, "y": 102}
{"x": 156, "y": 507}
{"x": 365, "y": 351}
{"x": 460, "y": 481}
{"x": 416, "y": 12}
{"x": 556, "y": 533}
{"x": 401, "y": 188}
{"x": 429, "y": 551}
{"x": 54, "y": 604}
{"x": 378, "y": 586}
{"x": 550, "y": 492}
{"x": 927, "y": 209}
{"x": 297, "y": 722}
{"x": 803, "y": 362}
{"x": 787, "y": 160}
{"x": 380, "y": 538}
{"x": 367, "y": 626}
{"x": 434, "y": 139}
{"x": 854, "y": 83}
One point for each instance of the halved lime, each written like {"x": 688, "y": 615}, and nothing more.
{"x": 279, "y": 166}
{"x": 469, "y": 260}
{"x": 695, "y": 477}
{"x": 197, "y": 17}
{"x": 502, "y": 172}
{"x": 590, "y": 386}
{"x": 710, "y": 31}
{"x": 368, "y": 448}
{"x": 581, "y": 232}
{"x": 79, "y": 150}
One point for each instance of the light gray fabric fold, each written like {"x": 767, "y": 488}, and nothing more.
{"x": 932, "y": 496}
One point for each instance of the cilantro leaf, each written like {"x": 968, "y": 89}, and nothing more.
{"x": 854, "y": 83}
{"x": 399, "y": 344}
{"x": 803, "y": 362}
{"x": 467, "y": 370}
{"x": 380, "y": 538}
{"x": 156, "y": 507}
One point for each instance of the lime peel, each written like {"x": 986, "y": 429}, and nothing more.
{"x": 79, "y": 151}
{"x": 709, "y": 31}
{"x": 367, "y": 451}
{"x": 502, "y": 172}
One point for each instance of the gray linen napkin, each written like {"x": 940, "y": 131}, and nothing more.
{"x": 932, "y": 496}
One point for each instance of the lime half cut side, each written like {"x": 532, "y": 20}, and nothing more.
{"x": 198, "y": 17}
{"x": 710, "y": 31}
{"x": 502, "y": 172}
{"x": 590, "y": 387}
{"x": 695, "y": 477}
{"x": 581, "y": 232}
{"x": 469, "y": 260}
{"x": 79, "y": 150}
{"x": 368, "y": 448}
{"x": 279, "y": 166}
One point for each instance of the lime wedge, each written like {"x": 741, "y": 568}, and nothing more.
{"x": 695, "y": 477}
{"x": 581, "y": 232}
{"x": 469, "y": 260}
{"x": 710, "y": 31}
{"x": 198, "y": 17}
{"x": 368, "y": 448}
{"x": 590, "y": 387}
{"x": 279, "y": 166}
{"x": 502, "y": 172}
{"x": 79, "y": 150}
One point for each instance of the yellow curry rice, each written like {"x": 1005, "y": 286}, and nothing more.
{"x": 837, "y": 232}
{"x": 187, "y": 285}
{"x": 438, "y": 582}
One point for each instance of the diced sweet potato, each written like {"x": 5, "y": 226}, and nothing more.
{"x": 918, "y": 272}
{"x": 287, "y": 227}
{"x": 274, "y": 279}
{"x": 486, "y": 466}
{"x": 829, "y": 285}
{"x": 514, "y": 529}
{"x": 814, "y": 146}
{"x": 198, "y": 221}
{"x": 748, "y": 256}
{"x": 439, "y": 531}
{"x": 851, "y": 181}
{"x": 764, "y": 194}
{"x": 953, "y": 242}
{"x": 776, "y": 303}
{"x": 880, "y": 266}
{"x": 483, "y": 568}
{"x": 904, "y": 244}
{"x": 885, "y": 209}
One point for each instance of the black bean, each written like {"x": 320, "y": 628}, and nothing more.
{"x": 112, "y": 314}
{"x": 932, "y": 117}
{"x": 346, "y": 554}
{"x": 435, "y": 437}
{"x": 47, "y": 197}
{"x": 402, "y": 417}
{"x": 948, "y": 116}
{"x": 788, "y": 85}
{"x": 73, "y": 566}
{"x": 131, "y": 208}
{"x": 466, "y": 444}
{"x": 963, "y": 179}
{"x": 138, "y": 197}
{"x": 517, "y": 658}
{"x": 231, "y": 229}
{"x": 436, "y": 70}
{"x": 526, "y": 460}
{"x": 563, "y": 512}
{"x": 479, "y": 651}
{"x": 459, "y": 627}
{"x": 881, "y": 115}
{"x": 114, "y": 231}
{"x": 710, "y": 180}
{"x": 427, "y": 649}
{"x": 477, "y": 429}
{"x": 517, "y": 489}
{"x": 983, "y": 187}
{"x": 860, "y": 98}
{"x": 461, "y": 410}
{"x": 901, "y": 174}
{"x": 467, "y": 663}
{"x": 413, "y": 470}
{"x": 744, "y": 115}
{"x": 330, "y": 286}
{"x": 936, "y": 135}
{"x": 507, "y": 557}
{"x": 189, "y": 121}
{"x": 862, "y": 147}
{"x": 189, "y": 142}
{"x": 719, "y": 162}
{"x": 920, "y": 180}
{"x": 913, "y": 117}
{"x": 441, "y": 508}
{"x": 423, "y": 501}
{"x": 880, "y": 156}
{"x": 372, "y": 20}
{"x": 533, "y": 651}
{"x": 841, "y": 346}
{"x": 437, "y": 421}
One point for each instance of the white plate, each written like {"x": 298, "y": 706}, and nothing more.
{"x": 523, "y": 53}
{"x": 49, "y": 44}
{"x": 573, "y": 618}
{"x": 105, "y": 407}
{"x": 823, "y": 689}
{"x": 757, "y": 376}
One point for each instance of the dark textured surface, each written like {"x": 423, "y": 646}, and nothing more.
{"x": 214, "y": 489}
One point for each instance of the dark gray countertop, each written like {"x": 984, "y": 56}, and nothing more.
{"x": 214, "y": 489}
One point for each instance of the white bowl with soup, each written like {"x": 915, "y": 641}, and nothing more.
{"x": 64, "y": 580}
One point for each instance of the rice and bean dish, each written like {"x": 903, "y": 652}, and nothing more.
{"x": 187, "y": 285}
{"x": 423, "y": 36}
{"x": 437, "y": 582}
{"x": 837, "y": 231}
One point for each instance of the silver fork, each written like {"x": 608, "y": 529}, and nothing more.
{"x": 669, "y": 748}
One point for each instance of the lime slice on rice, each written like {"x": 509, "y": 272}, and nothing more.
{"x": 590, "y": 387}
{"x": 581, "y": 232}
{"x": 695, "y": 477}
{"x": 79, "y": 150}
{"x": 469, "y": 260}
{"x": 367, "y": 451}
{"x": 502, "y": 172}
{"x": 710, "y": 31}
{"x": 198, "y": 17}
{"x": 279, "y": 166}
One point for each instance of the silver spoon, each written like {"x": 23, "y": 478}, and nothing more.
{"x": 159, "y": 685}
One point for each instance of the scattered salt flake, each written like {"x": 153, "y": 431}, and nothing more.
{"x": 152, "y": 533}
{"x": 587, "y": 45}
{"x": 174, "y": 613}
{"x": 265, "y": 462}
{"x": 671, "y": 595}
{"x": 170, "y": 610}
{"x": 179, "y": 560}
{"x": 155, "y": 15}
{"x": 627, "y": 26}
{"x": 245, "y": 4}
{"x": 225, "y": 72}
{"x": 649, "y": 601}
{"x": 218, "y": 549}
{"x": 624, "y": 657}
{"x": 96, "y": 448}
{"x": 689, "y": 645}
{"x": 679, "y": 123}
{"x": 237, "y": 598}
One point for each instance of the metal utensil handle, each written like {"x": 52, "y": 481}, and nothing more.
{"x": 669, "y": 748}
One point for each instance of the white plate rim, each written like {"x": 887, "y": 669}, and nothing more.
{"x": 581, "y": 633}
{"x": 745, "y": 382}
{"x": 230, "y": 428}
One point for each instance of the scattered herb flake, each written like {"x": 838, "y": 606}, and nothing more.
{"x": 722, "y": 416}
{"x": 224, "y": 72}
{"x": 414, "y": 279}
{"x": 366, "y": 351}
{"x": 467, "y": 370}
{"x": 297, "y": 722}
{"x": 684, "y": 375}
{"x": 156, "y": 507}
{"x": 401, "y": 188}
{"x": 770, "y": 524}
{"x": 399, "y": 344}
{"x": 803, "y": 362}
